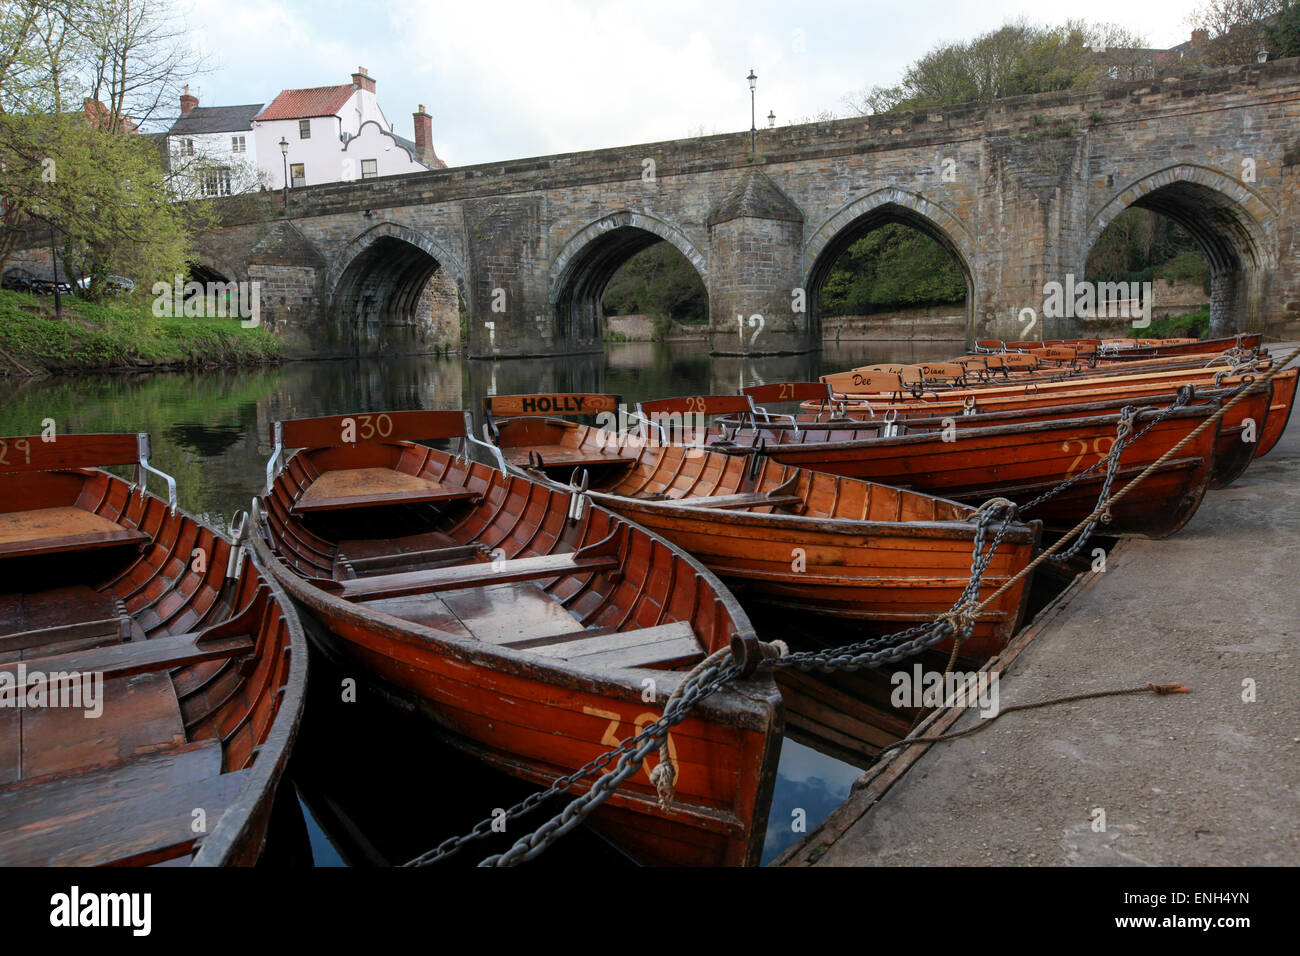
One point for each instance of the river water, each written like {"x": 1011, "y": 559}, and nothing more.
{"x": 377, "y": 787}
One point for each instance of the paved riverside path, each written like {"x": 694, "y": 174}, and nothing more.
{"x": 1192, "y": 779}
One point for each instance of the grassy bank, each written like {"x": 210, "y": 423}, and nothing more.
{"x": 119, "y": 334}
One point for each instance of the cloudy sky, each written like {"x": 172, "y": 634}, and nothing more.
{"x": 512, "y": 78}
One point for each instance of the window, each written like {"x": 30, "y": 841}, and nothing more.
{"x": 297, "y": 175}
{"x": 237, "y": 144}
{"x": 304, "y": 129}
{"x": 215, "y": 182}
{"x": 187, "y": 147}
{"x": 369, "y": 168}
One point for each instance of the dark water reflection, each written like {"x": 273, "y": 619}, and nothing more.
{"x": 376, "y": 781}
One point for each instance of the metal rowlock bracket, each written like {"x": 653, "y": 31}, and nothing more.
{"x": 578, "y": 494}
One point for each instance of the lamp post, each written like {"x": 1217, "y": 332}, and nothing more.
{"x": 771, "y": 119}
{"x": 1261, "y": 56}
{"x": 54, "y": 266}
{"x": 753, "y": 129}
{"x": 284, "y": 155}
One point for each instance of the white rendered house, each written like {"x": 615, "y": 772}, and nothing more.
{"x": 328, "y": 134}
{"x": 212, "y": 151}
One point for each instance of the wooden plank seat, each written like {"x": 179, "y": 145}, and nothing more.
{"x": 476, "y": 574}
{"x": 62, "y": 618}
{"x": 138, "y": 657}
{"x": 373, "y": 487}
{"x": 132, "y": 812}
{"x": 558, "y": 456}
{"x": 750, "y": 499}
{"x": 665, "y": 645}
{"x": 63, "y": 528}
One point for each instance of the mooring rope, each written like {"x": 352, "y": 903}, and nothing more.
{"x": 1160, "y": 689}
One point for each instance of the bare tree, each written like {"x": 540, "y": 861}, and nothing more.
{"x": 1237, "y": 29}
{"x": 137, "y": 58}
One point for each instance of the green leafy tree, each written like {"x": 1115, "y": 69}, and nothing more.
{"x": 892, "y": 267}
{"x": 78, "y": 78}
{"x": 1284, "y": 36}
{"x": 1017, "y": 59}
{"x": 659, "y": 282}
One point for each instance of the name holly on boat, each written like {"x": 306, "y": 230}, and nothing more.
{"x": 73, "y": 689}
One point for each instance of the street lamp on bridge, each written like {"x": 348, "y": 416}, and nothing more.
{"x": 284, "y": 155}
{"x": 753, "y": 128}
{"x": 771, "y": 119}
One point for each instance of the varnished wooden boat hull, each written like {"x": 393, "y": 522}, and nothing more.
{"x": 1266, "y": 412}
{"x": 1022, "y": 461}
{"x": 193, "y": 719}
{"x": 1246, "y": 340}
{"x": 1030, "y": 394}
{"x": 845, "y": 549}
{"x": 541, "y": 717}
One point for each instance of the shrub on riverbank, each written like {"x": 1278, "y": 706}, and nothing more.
{"x": 120, "y": 334}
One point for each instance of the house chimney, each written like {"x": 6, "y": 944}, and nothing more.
{"x": 188, "y": 102}
{"x": 362, "y": 81}
{"x": 1200, "y": 36}
{"x": 424, "y": 139}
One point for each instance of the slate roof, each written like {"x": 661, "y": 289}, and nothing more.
{"x": 216, "y": 119}
{"x": 304, "y": 104}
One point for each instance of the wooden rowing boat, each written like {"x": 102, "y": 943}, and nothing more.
{"x": 1021, "y": 461}
{"x": 1144, "y": 348}
{"x": 1257, "y": 420}
{"x": 776, "y": 534}
{"x": 199, "y": 662}
{"x": 991, "y": 396}
{"x": 534, "y": 638}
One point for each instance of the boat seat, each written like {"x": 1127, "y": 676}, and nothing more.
{"x": 138, "y": 657}
{"x": 475, "y": 574}
{"x": 564, "y": 456}
{"x": 133, "y": 812}
{"x": 64, "y": 528}
{"x": 374, "y": 487}
{"x": 662, "y": 646}
{"x": 61, "y": 619}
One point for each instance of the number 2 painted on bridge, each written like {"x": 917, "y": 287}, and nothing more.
{"x": 755, "y": 322}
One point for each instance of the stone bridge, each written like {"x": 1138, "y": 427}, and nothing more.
{"x": 1017, "y": 191}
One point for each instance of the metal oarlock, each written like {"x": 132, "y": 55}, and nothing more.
{"x": 493, "y": 450}
{"x": 143, "y": 469}
{"x": 239, "y": 530}
{"x": 578, "y": 495}
{"x": 889, "y": 428}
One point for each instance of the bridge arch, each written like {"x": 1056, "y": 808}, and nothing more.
{"x": 395, "y": 287}
{"x": 1229, "y": 221}
{"x": 864, "y": 214}
{"x": 581, "y": 272}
